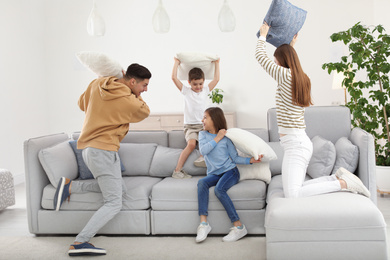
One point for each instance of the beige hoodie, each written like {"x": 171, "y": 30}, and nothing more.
{"x": 109, "y": 107}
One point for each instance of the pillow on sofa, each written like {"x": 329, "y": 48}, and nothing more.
{"x": 84, "y": 172}
{"x": 190, "y": 60}
{"x": 137, "y": 158}
{"x": 347, "y": 155}
{"x": 100, "y": 64}
{"x": 323, "y": 158}
{"x": 276, "y": 165}
{"x": 250, "y": 144}
{"x": 165, "y": 159}
{"x": 285, "y": 20}
{"x": 256, "y": 171}
{"x": 58, "y": 161}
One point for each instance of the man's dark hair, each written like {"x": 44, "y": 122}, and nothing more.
{"x": 138, "y": 72}
{"x": 195, "y": 73}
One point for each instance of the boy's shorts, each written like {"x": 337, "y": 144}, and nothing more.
{"x": 192, "y": 131}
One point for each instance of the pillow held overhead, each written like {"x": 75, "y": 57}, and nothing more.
{"x": 100, "y": 64}
{"x": 190, "y": 60}
{"x": 285, "y": 20}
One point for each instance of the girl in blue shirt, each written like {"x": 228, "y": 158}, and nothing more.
{"x": 221, "y": 158}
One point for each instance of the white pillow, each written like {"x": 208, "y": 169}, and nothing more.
{"x": 59, "y": 161}
{"x": 100, "y": 64}
{"x": 251, "y": 144}
{"x": 190, "y": 60}
{"x": 257, "y": 171}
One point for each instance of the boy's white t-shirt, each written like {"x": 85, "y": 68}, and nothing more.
{"x": 194, "y": 104}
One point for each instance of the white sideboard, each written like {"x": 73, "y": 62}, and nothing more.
{"x": 170, "y": 122}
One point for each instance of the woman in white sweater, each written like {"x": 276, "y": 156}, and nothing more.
{"x": 293, "y": 94}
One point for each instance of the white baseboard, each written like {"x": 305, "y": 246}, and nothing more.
{"x": 19, "y": 179}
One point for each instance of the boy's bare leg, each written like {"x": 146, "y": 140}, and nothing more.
{"x": 191, "y": 144}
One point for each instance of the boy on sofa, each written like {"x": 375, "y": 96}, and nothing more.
{"x": 195, "y": 101}
{"x": 110, "y": 104}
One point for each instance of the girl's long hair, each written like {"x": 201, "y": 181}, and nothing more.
{"x": 217, "y": 116}
{"x": 301, "y": 86}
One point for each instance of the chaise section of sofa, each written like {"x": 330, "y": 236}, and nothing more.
{"x": 339, "y": 225}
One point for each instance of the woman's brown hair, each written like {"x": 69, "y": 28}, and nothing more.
{"x": 218, "y": 117}
{"x": 301, "y": 86}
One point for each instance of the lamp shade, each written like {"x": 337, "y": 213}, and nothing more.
{"x": 161, "y": 22}
{"x": 95, "y": 23}
{"x": 226, "y": 19}
{"x": 338, "y": 78}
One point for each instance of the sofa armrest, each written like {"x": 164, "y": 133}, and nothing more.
{"x": 366, "y": 167}
{"x": 36, "y": 178}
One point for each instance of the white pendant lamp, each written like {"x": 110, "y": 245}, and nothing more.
{"x": 95, "y": 24}
{"x": 161, "y": 23}
{"x": 226, "y": 19}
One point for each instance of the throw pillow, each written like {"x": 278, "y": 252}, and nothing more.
{"x": 347, "y": 155}
{"x": 276, "y": 165}
{"x": 190, "y": 60}
{"x": 165, "y": 159}
{"x": 84, "y": 172}
{"x": 256, "y": 171}
{"x": 285, "y": 20}
{"x": 250, "y": 144}
{"x": 58, "y": 161}
{"x": 100, "y": 64}
{"x": 323, "y": 158}
{"x": 137, "y": 158}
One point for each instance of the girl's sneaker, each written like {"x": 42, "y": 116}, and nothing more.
{"x": 235, "y": 234}
{"x": 203, "y": 230}
{"x": 354, "y": 184}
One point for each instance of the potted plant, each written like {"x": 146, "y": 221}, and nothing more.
{"x": 216, "y": 96}
{"x": 369, "y": 51}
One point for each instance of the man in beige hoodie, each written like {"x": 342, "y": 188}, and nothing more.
{"x": 110, "y": 105}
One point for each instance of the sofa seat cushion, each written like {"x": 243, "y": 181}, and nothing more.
{"x": 182, "y": 194}
{"x": 137, "y": 198}
{"x": 338, "y": 216}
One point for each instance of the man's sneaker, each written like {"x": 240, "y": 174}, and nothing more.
{"x": 181, "y": 174}
{"x": 200, "y": 162}
{"x": 354, "y": 184}
{"x": 85, "y": 249}
{"x": 202, "y": 232}
{"x": 235, "y": 234}
{"x": 62, "y": 192}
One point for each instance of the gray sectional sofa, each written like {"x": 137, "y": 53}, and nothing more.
{"x": 339, "y": 225}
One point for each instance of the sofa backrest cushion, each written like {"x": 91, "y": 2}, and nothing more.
{"x": 159, "y": 137}
{"x": 84, "y": 172}
{"x": 165, "y": 160}
{"x": 59, "y": 161}
{"x": 330, "y": 122}
{"x": 322, "y": 159}
{"x": 347, "y": 155}
{"x": 276, "y": 165}
{"x": 136, "y": 158}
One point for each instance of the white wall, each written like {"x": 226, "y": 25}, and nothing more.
{"x": 42, "y": 79}
{"x": 23, "y": 90}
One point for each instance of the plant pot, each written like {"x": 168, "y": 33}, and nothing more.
{"x": 383, "y": 179}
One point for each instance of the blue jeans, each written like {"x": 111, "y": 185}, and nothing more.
{"x": 222, "y": 184}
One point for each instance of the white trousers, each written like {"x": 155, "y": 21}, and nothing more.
{"x": 297, "y": 153}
